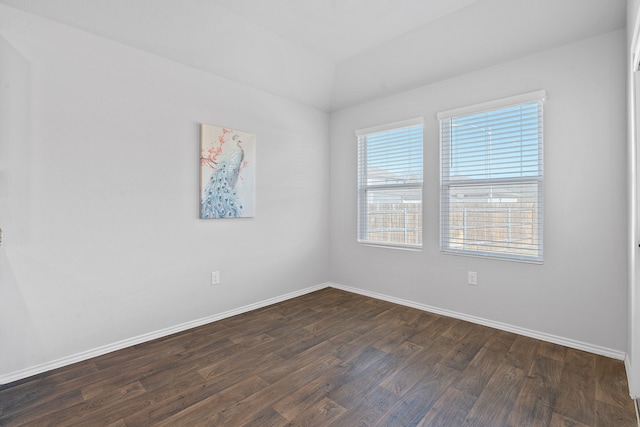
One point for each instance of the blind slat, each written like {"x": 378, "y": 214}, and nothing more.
{"x": 492, "y": 182}
{"x": 390, "y": 186}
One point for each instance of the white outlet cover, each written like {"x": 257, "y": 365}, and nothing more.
{"x": 472, "y": 278}
{"x": 215, "y": 277}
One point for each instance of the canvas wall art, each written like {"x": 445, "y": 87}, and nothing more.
{"x": 227, "y": 173}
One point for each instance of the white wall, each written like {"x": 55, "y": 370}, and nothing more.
{"x": 16, "y": 328}
{"x": 99, "y": 195}
{"x": 579, "y": 294}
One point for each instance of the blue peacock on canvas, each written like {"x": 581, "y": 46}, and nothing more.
{"x": 220, "y": 199}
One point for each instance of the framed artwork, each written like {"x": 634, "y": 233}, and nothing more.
{"x": 227, "y": 173}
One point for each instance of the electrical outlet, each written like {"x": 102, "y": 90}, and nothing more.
{"x": 472, "y": 278}
{"x": 215, "y": 277}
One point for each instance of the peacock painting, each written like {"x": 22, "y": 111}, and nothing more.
{"x": 227, "y": 165}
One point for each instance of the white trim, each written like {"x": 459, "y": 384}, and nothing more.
{"x": 567, "y": 342}
{"x": 394, "y": 246}
{"x": 632, "y": 362}
{"x": 539, "y": 95}
{"x": 119, "y": 345}
{"x": 389, "y": 126}
{"x": 635, "y": 44}
{"x": 627, "y": 368}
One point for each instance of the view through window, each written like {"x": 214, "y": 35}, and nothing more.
{"x": 492, "y": 179}
{"x": 390, "y": 184}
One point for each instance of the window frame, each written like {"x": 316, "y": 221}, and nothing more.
{"x": 363, "y": 186}
{"x": 447, "y": 180}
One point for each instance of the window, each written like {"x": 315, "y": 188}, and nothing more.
{"x": 390, "y": 184}
{"x": 491, "y": 165}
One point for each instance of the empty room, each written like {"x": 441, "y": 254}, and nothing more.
{"x": 319, "y": 212}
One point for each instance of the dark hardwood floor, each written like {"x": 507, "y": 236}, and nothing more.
{"x": 330, "y": 358}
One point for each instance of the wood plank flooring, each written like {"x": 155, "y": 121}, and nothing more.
{"x": 330, "y": 358}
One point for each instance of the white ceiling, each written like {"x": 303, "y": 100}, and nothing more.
{"x": 334, "y": 53}
{"x": 340, "y": 29}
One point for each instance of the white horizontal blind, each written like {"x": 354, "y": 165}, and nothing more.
{"x": 390, "y": 184}
{"x": 492, "y": 180}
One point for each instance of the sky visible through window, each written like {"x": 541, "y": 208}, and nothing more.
{"x": 490, "y": 145}
{"x": 395, "y": 155}
{"x": 495, "y": 144}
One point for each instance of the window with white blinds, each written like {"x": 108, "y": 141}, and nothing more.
{"x": 390, "y": 184}
{"x": 491, "y": 183}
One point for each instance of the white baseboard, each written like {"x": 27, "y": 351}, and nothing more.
{"x": 567, "y": 342}
{"x": 99, "y": 351}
